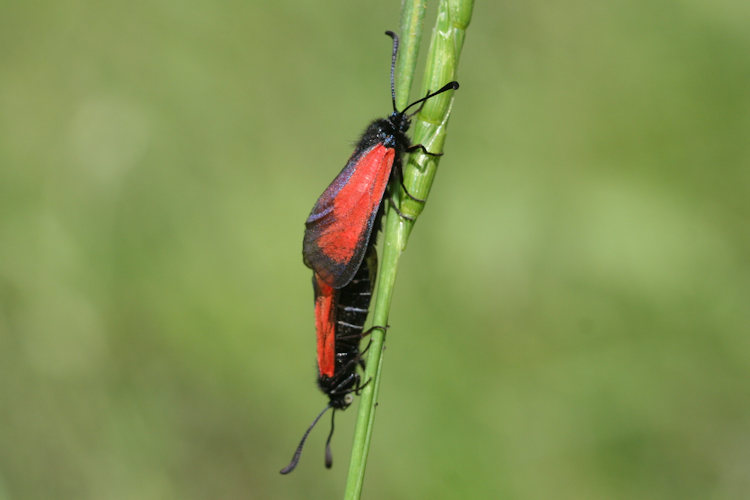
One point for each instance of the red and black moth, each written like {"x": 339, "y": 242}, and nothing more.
{"x": 340, "y": 225}
{"x": 339, "y": 247}
{"x": 340, "y": 316}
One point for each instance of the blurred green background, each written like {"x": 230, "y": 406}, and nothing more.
{"x": 571, "y": 317}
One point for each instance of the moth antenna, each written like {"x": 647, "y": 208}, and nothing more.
{"x": 393, "y": 67}
{"x": 448, "y": 86}
{"x": 329, "y": 455}
{"x": 295, "y": 459}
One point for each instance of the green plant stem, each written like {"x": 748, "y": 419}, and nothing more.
{"x": 412, "y": 21}
{"x": 429, "y": 129}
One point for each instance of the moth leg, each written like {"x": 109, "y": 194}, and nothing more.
{"x": 400, "y": 172}
{"x": 358, "y": 389}
{"x": 393, "y": 205}
{"x": 383, "y": 329}
{"x": 344, "y": 382}
{"x": 415, "y": 147}
{"x": 364, "y": 350}
{"x": 364, "y": 334}
{"x": 411, "y": 149}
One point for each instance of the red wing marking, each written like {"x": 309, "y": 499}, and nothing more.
{"x": 325, "y": 326}
{"x": 340, "y": 223}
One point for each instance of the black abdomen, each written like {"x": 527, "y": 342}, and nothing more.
{"x": 351, "y": 303}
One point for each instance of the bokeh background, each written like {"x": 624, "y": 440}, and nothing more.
{"x": 571, "y": 316}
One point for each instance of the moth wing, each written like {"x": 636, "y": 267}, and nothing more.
{"x": 340, "y": 224}
{"x": 325, "y": 326}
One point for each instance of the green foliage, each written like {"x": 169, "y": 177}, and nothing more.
{"x": 431, "y": 124}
